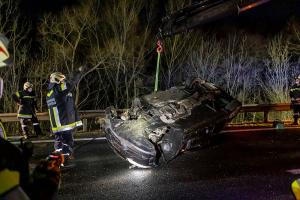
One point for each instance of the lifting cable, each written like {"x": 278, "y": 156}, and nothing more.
{"x": 159, "y": 50}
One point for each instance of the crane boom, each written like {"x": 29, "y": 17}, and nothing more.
{"x": 203, "y": 12}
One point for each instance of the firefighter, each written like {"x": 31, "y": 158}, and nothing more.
{"x": 62, "y": 111}
{"x": 295, "y": 99}
{"x": 27, "y": 109}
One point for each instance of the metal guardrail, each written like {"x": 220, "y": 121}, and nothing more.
{"x": 87, "y": 114}
{"x": 44, "y": 116}
{"x": 84, "y": 114}
{"x": 266, "y": 109}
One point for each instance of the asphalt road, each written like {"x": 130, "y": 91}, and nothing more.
{"x": 239, "y": 165}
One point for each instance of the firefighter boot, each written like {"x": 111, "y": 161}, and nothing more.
{"x": 69, "y": 157}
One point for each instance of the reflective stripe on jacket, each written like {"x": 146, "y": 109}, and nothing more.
{"x": 27, "y": 103}
{"x": 61, "y": 107}
{"x": 295, "y": 94}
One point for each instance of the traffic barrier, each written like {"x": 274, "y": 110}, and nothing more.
{"x": 266, "y": 109}
{"x": 88, "y": 114}
{"x": 84, "y": 115}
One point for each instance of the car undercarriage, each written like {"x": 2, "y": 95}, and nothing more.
{"x": 162, "y": 124}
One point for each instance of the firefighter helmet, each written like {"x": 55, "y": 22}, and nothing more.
{"x": 27, "y": 85}
{"x": 57, "y": 77}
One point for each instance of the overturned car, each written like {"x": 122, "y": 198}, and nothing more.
{"x": 161, "y": 125}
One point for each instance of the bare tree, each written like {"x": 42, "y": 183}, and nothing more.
{"x": 204, "y": 60}
{"x": 237, "y": 67}
{"x": 16, "y": 29}
{"x": 66, "y": 41}
{"x": 275, "y": 82}
{"x": 125, "y": 48}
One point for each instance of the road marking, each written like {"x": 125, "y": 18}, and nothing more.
{"x": 257, "y": 129}
{"x": 51, "y": 141}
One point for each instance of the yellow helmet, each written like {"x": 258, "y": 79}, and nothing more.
{"x": 57, "y": 77}
{"x": 27, "y": 85}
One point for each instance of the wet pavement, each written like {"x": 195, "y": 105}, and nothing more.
{"x": 245, "y": 165}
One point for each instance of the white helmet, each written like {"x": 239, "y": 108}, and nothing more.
{"x": 27, "y": 85}
{"x": 57, "y": 77}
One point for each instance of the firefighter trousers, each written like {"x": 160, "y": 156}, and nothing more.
{"x": 296, "y": 111}
{"x": 36, "y": 125}
{"x": 64, "y": 142}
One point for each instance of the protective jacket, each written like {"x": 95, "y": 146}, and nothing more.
{"x": 27, "y": 103}
{"x": 61, "y": 106}
{"x": 295, "y": 94}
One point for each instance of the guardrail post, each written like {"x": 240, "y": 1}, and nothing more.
{"x": 266, "y": 116}
{"x": 84, "y": 124}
